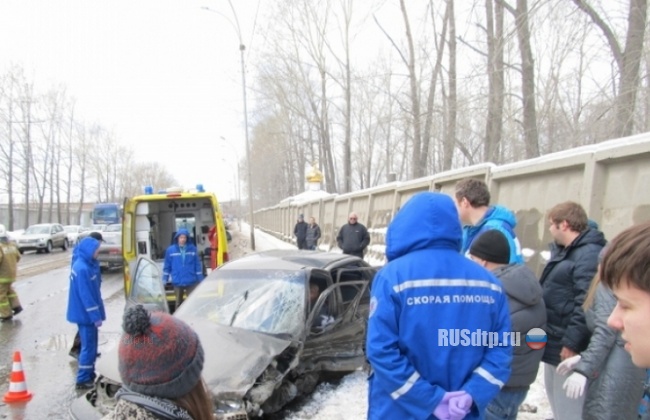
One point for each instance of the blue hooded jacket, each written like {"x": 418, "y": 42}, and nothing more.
{"x": 85, "y": 304}
{"x": 184, "y": 267}
{"x": 426, "y": 290}
{"x": 498, "y": 218}
{"x": 75, "y": 255}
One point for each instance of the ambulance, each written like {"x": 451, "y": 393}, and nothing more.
{"x": 150, "y": 222}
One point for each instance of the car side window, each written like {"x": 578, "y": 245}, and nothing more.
{"x": 322, "y": 315}
{"x": 352, "y": 279}
{"x": 147, "y": 286}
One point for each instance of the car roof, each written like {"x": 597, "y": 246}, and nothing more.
{"x": 289, "y": 259}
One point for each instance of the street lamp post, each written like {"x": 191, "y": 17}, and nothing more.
{"x": 248, "y": 151}
{"x": 242, "y": 48}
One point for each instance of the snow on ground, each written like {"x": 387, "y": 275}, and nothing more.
{"x": 348, "y": 400}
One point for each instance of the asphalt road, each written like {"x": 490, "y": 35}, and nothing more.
{"x": 43, "y": 336}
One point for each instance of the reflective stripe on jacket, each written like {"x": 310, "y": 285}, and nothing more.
{"x": 427, "y": 290}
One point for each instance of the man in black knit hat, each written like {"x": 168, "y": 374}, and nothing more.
{"x": 527, "y": 311}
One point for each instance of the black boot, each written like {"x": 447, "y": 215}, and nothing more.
{"x": 17, "y": 310}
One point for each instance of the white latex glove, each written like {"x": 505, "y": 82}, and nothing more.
{"x": 568, "y": 365}
{"x": 575, "y": 385}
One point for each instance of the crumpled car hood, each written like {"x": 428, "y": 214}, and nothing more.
{"x": 234, "y": 358}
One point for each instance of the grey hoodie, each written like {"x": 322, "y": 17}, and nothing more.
{"x": 527, "y": 311}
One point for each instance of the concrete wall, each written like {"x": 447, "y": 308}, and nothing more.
{"x": 611, "y": 180}
{"x": 84, "y": 218}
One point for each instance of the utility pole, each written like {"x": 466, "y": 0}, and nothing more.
{"x": 251, "y": 216}
{"x": 242, "y": 48}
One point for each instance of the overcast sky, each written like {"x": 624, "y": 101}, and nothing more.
{"x": 164, "y": 75}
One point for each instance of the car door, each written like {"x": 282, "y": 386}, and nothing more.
{"x": 60, "y": 235}
{"x": 147, "y": 288}
{"x": 340, "y": 345}
{"x": 355, "y": 281}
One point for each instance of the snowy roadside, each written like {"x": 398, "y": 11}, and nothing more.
{"x": 348, "y": 400}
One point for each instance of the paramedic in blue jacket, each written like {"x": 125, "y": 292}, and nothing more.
{"x": 86, "y": 308}
{"x": 424, "y": 303}
{"x": 76, "y": 343}
{"x": 477, "y": 215}
{"x": 183, "y": 264}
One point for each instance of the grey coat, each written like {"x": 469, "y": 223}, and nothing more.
{"x": 615, "y": 385}
{"x": 313, "y": 235}
{"x": 527, "y": 311}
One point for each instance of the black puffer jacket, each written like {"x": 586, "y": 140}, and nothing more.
{"x": 565, "y": 281}
{"x": 300, "y": 230}
{"x": 527, "y": 311}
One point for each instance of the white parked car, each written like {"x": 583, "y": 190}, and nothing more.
{"x": 14, "y": 235}
{"x": 73, "y": 232}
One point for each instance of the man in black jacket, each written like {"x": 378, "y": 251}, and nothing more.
{"x": 300, "y": 230}
{"x": 353, "y": 237}
{"x": 527, "y": 311}
{"x": 565, "y": 281}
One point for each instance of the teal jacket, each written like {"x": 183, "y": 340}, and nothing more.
{"x": 498, "y": 218}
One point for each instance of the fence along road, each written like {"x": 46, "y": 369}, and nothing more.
{"x": 610, "y": 180}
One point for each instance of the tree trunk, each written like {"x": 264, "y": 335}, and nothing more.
{"x": 628, "y": 61}
{"x": 440, "y": 48}
{"x": 325, "y": 134}
{"x": 629, "y": 78}
{"x": 452, "y": 103}
{"x": 347, "y": 153}
{"x": 495, "y": 41}
{"x": 28, "y": 158}
{"x": 531, "y": 136}
{"x": 417, "y": 170}
{"x": 9, "y": 155}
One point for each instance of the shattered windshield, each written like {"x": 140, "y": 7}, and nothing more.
{"x": 268, "y": 301}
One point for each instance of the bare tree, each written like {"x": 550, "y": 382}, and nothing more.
{"x": 8, "y": 144}
{"x": 531, "y": 136}
{"x": 628, "y": 59}
{"x": 70, "y": 137}
{"x": 440, "y": 49}
{"x": 346, "y": 7}
{"x": 25, "y": 105}
{"x": 452, "y": 102}
{"x": 495, "y": 70}
{"x": 311, "y": 38}
{"x": 410, "y": 61}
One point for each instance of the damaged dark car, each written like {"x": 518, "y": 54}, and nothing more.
{"x": 266, "y": 342}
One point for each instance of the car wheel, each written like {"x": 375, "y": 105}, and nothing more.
{"x": 21, "y": 251}
{"x": 65, "y": 244}
{"x": 49, "y": 247}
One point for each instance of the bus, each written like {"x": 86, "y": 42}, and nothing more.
{"x": 106, "y": 214}
{"x": 151, "y": 221}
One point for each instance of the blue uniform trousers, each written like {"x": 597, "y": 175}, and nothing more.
{"x": 88, "y": 355}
